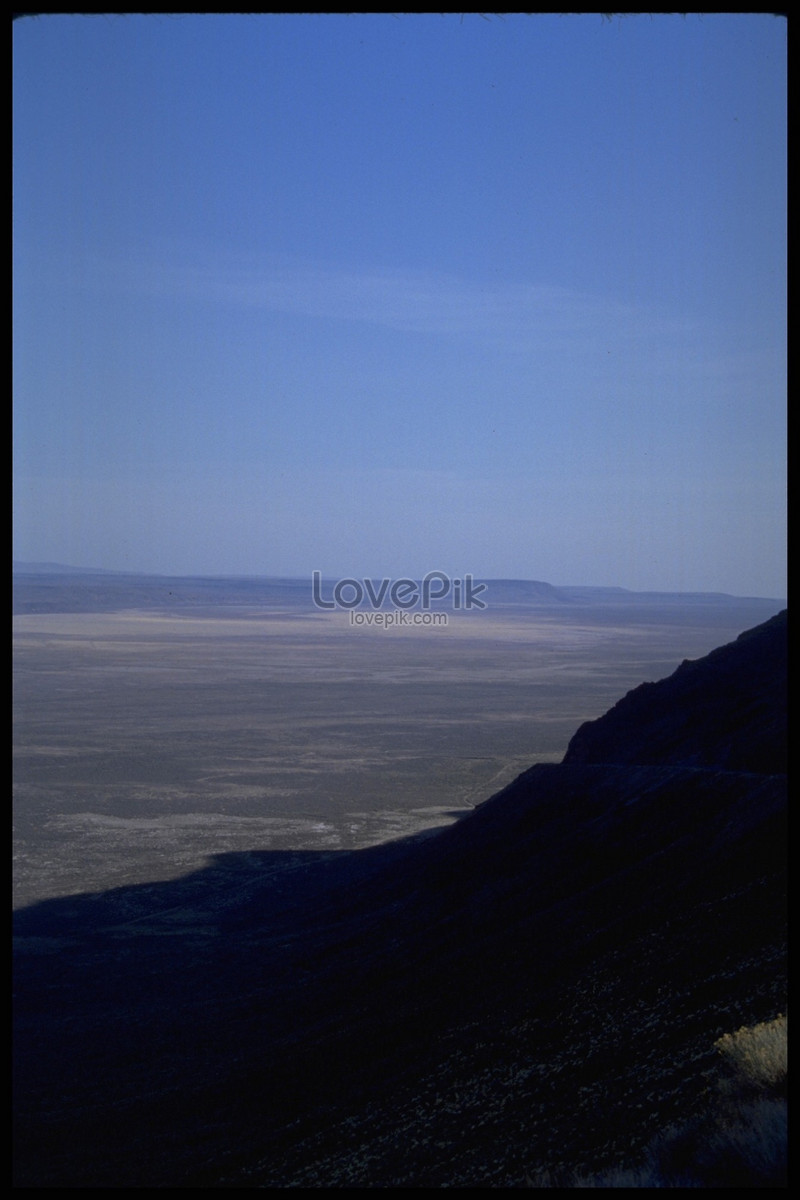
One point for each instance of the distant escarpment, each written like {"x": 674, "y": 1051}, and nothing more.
{"x": 530, "y": 996}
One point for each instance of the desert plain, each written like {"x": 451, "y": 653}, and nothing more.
{"x": 157, "y": 727}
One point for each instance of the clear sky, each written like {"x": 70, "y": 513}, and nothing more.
{"x": 379, "y": 295}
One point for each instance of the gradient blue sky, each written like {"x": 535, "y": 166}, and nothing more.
{"x": 383, "y": 295}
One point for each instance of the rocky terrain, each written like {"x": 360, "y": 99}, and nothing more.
{"x": 532, "y": 993}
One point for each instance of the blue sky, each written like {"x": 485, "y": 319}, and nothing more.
{"x": 380, "y": 295}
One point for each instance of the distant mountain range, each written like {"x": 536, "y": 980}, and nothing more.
{"x": 532, "y": 992}
{"x": 52, "y": 587}
{"x": 52, "y": 568}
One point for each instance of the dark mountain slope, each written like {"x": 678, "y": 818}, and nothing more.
{"x": 726, "y": 710}
{"x": 537, "y": 987}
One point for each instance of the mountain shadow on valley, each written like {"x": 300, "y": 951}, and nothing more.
{"x": 532, "y": 991}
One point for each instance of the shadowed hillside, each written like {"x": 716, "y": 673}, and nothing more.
{"x": 533, "y": 993}
{"x": 727, "y": 710}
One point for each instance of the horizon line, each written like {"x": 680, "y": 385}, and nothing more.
{"x": 36, "y": 567}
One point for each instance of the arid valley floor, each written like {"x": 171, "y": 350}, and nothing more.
{"x": 159, "y": 722}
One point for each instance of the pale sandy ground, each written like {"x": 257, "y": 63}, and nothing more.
{"x": 146, "y": 743}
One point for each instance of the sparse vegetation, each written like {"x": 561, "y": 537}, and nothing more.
{"x": 740, "y": 1140}
{"x": 757, "y": 1056}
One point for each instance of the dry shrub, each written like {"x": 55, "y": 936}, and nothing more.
{"x": 756, "y": 1056}
{"x": 739, "y": 1141}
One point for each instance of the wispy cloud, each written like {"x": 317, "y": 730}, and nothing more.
{"x": 515, "y": 315}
